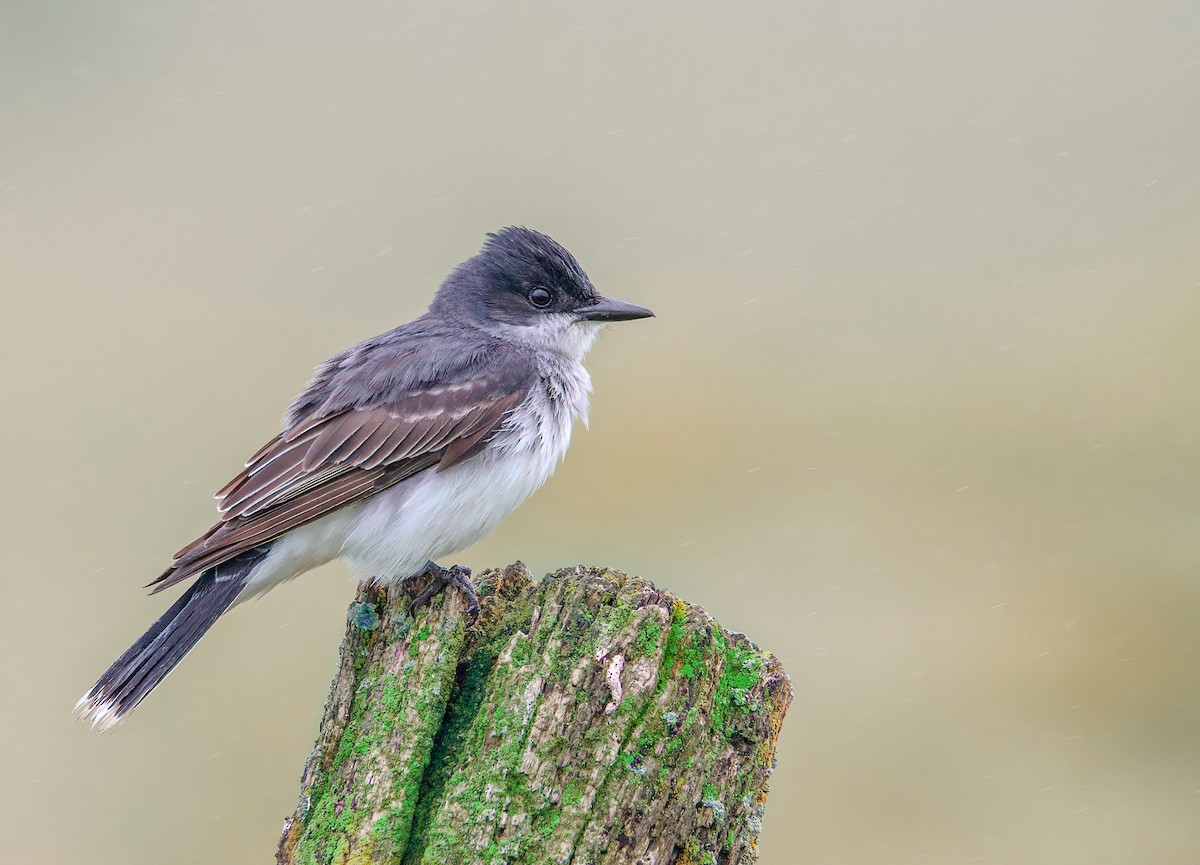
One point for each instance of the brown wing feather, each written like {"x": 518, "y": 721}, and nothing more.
{"x": 386, "y": 448}
{"x": 368, "y": 428}
{"x": 371, "y": 445}
{"x": 322, "y": 465}
{"x": 334, "y": 436}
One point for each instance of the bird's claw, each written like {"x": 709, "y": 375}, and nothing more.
{"x": 457, "y": 576}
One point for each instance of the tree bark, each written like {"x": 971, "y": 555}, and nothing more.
{"x": 588, "y": 718}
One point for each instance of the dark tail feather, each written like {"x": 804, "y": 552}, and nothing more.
{"x": 155, "y": 654}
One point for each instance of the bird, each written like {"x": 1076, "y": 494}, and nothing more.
{"x": 401, "y": 450}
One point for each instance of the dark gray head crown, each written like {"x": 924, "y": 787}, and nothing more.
{"x": 495, "y": 284}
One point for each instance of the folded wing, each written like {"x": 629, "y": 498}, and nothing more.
{"x": 327, "y": 461}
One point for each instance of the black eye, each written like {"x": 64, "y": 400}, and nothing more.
{"x": 540, "y": 297}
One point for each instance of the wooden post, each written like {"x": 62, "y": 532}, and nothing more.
{"x": 588, "y": 718}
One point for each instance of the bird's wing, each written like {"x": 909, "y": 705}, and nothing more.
{"x": 327, "y": 461}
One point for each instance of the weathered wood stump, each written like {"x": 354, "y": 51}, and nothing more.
{"x": 588, "y": 718}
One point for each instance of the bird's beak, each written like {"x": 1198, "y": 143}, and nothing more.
{"x": 610, "y": 309}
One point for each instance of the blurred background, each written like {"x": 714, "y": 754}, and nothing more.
{"x": 918, "y": 413}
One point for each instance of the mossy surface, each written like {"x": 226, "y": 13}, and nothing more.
{"x": 385, "y": 709}
{"x": 588, "y": 718}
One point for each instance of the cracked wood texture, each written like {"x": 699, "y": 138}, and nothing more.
{"x": 587, "y": 718}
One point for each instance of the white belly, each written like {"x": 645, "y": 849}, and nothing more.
{"x": 440, "y": 513}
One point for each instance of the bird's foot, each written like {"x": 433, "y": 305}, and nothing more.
{"x": 457, "y": 576}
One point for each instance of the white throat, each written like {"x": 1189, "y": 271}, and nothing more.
{"x": 558, "y": 332}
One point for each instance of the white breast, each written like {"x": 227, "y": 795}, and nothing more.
{"x": 439, "y": 513}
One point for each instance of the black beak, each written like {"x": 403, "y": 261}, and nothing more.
{"x": 610, "y": 309}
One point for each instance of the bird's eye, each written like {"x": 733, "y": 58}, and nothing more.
{"x": 540, "y": 297}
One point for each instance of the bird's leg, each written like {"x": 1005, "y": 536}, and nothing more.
{"x": 457, "y": 576}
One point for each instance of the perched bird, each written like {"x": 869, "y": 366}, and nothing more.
{"x": 406, "y": 448}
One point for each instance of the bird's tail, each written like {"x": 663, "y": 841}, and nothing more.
{"x": 156, "y": 653}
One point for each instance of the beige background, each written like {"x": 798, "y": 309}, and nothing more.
{"x": 919, "y": 412}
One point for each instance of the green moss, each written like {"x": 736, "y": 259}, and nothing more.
{"x": 414, "y": 647}
{"x": 447, "y": 748}
{"x": 675, "y": 634}
{"x": 696, "y": 654}
{"x": 572, "y": 793}
{"x": 379, "y": 712}
{"x": 575, "y": 640}
{"x": 649, "y": 637}
{"x": 615, "y": 617}
{"x": 576, "y": 632}
{"x": 390, "y": 697}
{"x": 508, "y": 609}
{"x": 547, "y": 823}
{"x": 740, "y": 675}
{"x": 328, "y": 822}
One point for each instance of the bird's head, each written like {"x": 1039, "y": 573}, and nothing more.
{"x": 526, "y": 288}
